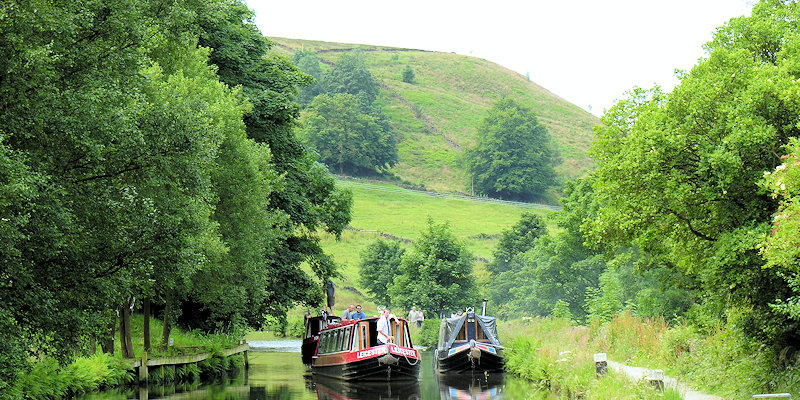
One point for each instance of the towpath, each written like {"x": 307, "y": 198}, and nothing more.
{"x": 638, "y": 373}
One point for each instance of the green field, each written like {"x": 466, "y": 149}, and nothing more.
{"x": 400, "y": 214}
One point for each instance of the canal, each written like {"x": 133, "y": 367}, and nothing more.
{"x": 276, "y": 372}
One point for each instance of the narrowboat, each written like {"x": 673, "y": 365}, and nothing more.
{"x": 311, "y": 337}
{"x": 468, "y": 343}
{"x": 349, "y": 350}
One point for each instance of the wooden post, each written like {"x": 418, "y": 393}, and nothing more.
{"x": 600, "y": 364}
{"x": 143, "y": 368}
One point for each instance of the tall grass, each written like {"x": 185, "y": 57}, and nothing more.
{"x": 722, "y": 362}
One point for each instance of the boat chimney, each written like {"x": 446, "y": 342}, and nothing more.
{"x": 483, "y": 309}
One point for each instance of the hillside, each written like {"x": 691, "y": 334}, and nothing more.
{"x": 436, "y": 118}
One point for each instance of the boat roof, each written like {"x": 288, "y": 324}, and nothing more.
{"x": 347, "y": 322}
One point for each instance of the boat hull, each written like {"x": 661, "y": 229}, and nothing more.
{"x": 466, "y": 359}
{"x": 380, "y": 363}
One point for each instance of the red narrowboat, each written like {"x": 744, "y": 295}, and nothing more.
{"x": 350, "y": 350}
{"x": 310, "y": 339}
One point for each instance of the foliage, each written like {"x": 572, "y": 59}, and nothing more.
{"x": 428, "y": 335}
{"x": 679, "y": 175}
{"x": 346, "y": 138}
{"x": 516, "y": 240}
{"x": 305, "y": 198}
{"x": 380, "y": 264}
{"x": 408, "y": 75}
{"x": 350, "y": 75}
{"x": 514, "y": 157}
{"x": 437, "y": 274}
{"x": 780, "y": 248}
{"x": 308, "y": 62}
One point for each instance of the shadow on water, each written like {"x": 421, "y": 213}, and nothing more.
{"x": 276, "y": 373}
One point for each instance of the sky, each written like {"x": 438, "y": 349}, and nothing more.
{"x": 587, "y": 52}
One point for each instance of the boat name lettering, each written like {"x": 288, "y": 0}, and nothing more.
{"x": 403, "y": 352}
{"x": 371, "y": 352}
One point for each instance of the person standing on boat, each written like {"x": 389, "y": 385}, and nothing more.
{"x": 330, "y": 291}
{"x": 348, "y": 313}
{"x": 384, "y": 333}
{"x": 358, "y": 314}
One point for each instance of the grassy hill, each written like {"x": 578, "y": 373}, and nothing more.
{"x": 396, "y": 214}
{"x": 436, "y": 117}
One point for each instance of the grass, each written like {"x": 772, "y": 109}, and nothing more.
{"x": 392, "y": 213}
{"x": 452, "y": 93}
{"x": 723, "y": 362}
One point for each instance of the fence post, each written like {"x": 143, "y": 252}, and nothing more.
{"x": 143, "y": 368}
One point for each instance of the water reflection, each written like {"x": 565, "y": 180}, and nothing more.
{"x": 470, "y": 387}
{"x": 280, "y": 374}
{"x": 335, "y": 389}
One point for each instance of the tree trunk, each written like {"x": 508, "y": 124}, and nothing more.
{"x": 125, "y": 341}
{"x": 167, "y": 323}
{"x": 146, "y": 327}
{"x": 107, "y": 345}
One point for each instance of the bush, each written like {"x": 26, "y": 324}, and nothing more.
{"x": 428, "y": 335}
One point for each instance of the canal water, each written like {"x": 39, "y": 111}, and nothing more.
{"x": 276, "y": 373}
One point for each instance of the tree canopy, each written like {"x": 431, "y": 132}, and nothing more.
{"x": 679, "y": 175}
{"x": 380, "y": 264}
{"x": 132, "y": 168}
{"x": 347, "y": 139}
{"x": 514, "y": 157}
{"x": 437, "y": 274}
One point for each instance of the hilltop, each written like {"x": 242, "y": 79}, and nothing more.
{"x": 436, "y": 117}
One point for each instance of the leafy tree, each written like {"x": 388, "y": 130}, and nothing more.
{"x": 408, "y": 75}
{"x": 306, "y": 198}
{"x": 350, "y": 75}
{"x": 515, "y": 156}
{"x": 308, "y": 62}
{"x": 437, "y": 274}
{"x": 519, "y": 239}
{"x": 678, "y": 175}
{"x": 347, "y": 139}
{"x": 780, "y": 247}
{"x": 379, "y": 266}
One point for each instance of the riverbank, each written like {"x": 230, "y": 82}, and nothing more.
{"x": 558, "y": 355}
{"x": 51, "y": 379}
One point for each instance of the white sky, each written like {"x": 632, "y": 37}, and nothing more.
{"x": 588, "y": 52}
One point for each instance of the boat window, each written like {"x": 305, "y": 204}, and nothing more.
{"x": 407, "y": 338}
{"x": 354, "y": 341}
{"x": 323, "y": 341}
{"x": 364, "y": 336}
{"x": 341, "y": 340}
{"x": 462, "y": 333}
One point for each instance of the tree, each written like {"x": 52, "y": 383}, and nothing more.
{"x": 347, "y": 139}
{"x": 678, "y": 175}
{"x": 379, "y": 266}
{"x": 517, "y": 240}
{"x": 437, "y": 274}
{"x": 308, "y": 62}
{"x": 306, "y": 198}
{"x": 408, "y": 75}
{"x": 350, "y": 75}
{"x": 514, "y": 157}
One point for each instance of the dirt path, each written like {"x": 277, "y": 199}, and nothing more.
{"x": 638, "y": 373}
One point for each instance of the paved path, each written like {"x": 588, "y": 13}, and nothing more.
{"x": 638, "y": 373}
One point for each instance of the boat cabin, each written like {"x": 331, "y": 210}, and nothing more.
{"x": 360, "y": 335}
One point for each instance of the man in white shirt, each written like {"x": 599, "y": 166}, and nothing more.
{"x": 413, "y": 316}
{"x": 384, "y": 333}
